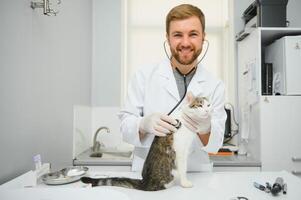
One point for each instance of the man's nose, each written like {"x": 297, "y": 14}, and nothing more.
{"x": 185, "y": 41}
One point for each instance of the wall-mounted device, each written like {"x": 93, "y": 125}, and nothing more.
{"x": 47, "y": 6}
{"x": 285, "y": 56}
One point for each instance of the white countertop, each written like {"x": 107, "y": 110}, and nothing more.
{"x": 235, "y": 161}
{"x": 214, "y": 185}
{"x": 218, "y": 161}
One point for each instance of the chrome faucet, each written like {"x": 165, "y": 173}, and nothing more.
{"x": 96, "y": 144}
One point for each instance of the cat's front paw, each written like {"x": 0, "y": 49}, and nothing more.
{"x": 186, "y": 184}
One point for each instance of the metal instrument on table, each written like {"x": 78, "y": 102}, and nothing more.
{"x": 274, "y": 189}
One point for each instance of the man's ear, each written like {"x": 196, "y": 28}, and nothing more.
{"x": 189, "y": 97}
{"x": 167, "y": 39}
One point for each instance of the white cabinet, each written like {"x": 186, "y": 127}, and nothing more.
{"x": 281, "y": 133}
{"x": 271, "y": 123}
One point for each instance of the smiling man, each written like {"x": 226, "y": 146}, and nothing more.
{"x": 185, "y": 38}
{"x": 156, "y": 89}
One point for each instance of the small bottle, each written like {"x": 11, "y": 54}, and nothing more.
{"x": 37, "y": 161}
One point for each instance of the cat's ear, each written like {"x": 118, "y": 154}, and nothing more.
{"x": 189, "y": 97}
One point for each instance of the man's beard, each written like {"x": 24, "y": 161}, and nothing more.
{"x": 176, "y": 55}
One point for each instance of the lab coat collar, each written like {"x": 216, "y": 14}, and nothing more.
{"x": 200, "y": 74}
{"x": 165, "y": 70}
{"x": 196, "y": 86}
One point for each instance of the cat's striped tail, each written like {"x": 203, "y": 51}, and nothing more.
{"x": 120, "y": 182}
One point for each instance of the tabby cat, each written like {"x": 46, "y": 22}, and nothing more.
{"x": 167, "y": 158}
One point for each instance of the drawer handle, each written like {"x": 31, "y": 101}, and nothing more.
{"x": 296, "y": 159}
{"x": 295, "y": 172}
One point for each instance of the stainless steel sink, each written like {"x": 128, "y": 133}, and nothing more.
{"x": 111, "y": 151}
{"x": 96, "y": 154}
{"x": 105, "y": 156}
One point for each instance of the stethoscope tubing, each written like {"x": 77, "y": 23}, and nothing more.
{"x": 184, "y": 75}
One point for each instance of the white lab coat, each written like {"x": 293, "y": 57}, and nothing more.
{"x": 153, "y": 89}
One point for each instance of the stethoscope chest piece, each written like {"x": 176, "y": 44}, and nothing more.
{"x": 178, "y": 124}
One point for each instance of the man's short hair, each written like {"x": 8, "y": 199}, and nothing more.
{"x": 184, "y": 11}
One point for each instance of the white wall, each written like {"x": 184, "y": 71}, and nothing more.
{"x": 106, "y": 69}
{"x": 45, "y": 68}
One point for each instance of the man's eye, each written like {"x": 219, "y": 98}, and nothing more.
{"x": 193, "y": 34}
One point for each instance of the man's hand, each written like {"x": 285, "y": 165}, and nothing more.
{"x": 158, "y": 124}
{"x": 195, "y": 122}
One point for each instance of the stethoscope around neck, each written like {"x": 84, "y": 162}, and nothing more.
{"x": 184, "y": 75}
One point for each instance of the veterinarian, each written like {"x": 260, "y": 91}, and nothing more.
{"x": 156, "y": 89}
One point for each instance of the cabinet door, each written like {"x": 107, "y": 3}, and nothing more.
{"x": 280, "y": 132}
{"x": 293, "y": 60}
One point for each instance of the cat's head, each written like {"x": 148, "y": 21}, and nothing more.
{"x": 199, "y": 105}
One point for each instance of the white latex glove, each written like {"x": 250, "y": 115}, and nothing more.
{"x": 158, "y": 124}
{"x": 196, "y": 121}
